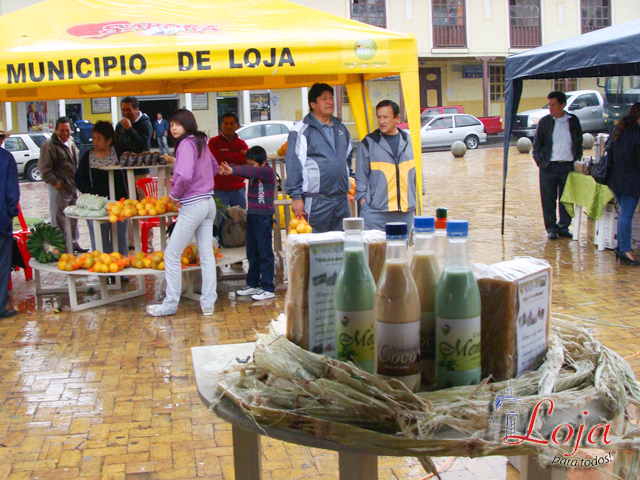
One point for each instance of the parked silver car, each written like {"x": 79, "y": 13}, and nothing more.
{"x": 587, "y": 105}
{"x": 25, "y": 148}
{"x": 443, "y": 130}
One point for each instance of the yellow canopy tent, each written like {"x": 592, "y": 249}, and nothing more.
{"x": 61, "y": 49}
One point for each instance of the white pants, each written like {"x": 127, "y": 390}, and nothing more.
{"x": 196, "y": 218}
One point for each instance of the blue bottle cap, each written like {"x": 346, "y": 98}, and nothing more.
{"x": 396, "y": 230}
{"x": 457, "y": 228}
{"x": 424, "y": 224}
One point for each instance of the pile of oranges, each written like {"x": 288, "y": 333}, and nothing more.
{"x": 149, "y": 206}
{"x": 148, "y": 260}
{"x": 68, "y": 263}
{"x": 106, "y": 262}
{"x": 94, "y": 262}
{"x": 299, "y": 225}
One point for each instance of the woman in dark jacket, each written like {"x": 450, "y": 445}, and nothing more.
{"x": 625, "y": 179}
{"x": 91, "y": 179}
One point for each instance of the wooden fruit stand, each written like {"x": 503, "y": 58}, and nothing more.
{"x": 229, "y": 255}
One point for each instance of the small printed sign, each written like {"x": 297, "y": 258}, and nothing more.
{"x": 472, "y": 71}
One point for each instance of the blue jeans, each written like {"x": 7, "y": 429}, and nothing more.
{"x": 107, "y": 243}
{"x": 260, "y": 252}
{"x": 194, "y": 218}
{"x": 6, "y": 249}
{"x": 628, "y": 204}
{"x": 163, "y": 145}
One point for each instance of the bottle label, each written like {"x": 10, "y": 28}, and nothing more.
{"x": 356, "y": 340}
{"x": 428, "y": 335}
{"x": 398, "y": 349}
{"x": 458, "y": 344}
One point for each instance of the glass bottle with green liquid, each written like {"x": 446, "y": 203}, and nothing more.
{"x": 457, "y": 314}
{"x": 426, "y": 273}
{"x": 353, "y": 300}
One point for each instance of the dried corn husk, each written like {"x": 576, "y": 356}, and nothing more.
{"x": 290, "y": 387}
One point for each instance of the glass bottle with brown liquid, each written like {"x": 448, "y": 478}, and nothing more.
{"x": 397, "y": 314}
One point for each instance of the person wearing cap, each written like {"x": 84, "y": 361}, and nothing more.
{"x": 57, "y": 164}
{"x": 9, "y": 198}
{"x": 385, "y": 172}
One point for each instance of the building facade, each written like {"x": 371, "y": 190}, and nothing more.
{"x": 462, "y": 46}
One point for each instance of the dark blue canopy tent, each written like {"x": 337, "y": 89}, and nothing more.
{"x": 607, "y": 52}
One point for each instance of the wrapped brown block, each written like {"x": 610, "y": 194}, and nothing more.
{"x": 499, "y": 292}
{"x": 297, "y": 302}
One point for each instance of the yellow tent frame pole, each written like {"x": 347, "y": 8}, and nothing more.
{"x": 368, "y": 109}
{"x": 356, "y": 100}
{"x": 411, "y": 92}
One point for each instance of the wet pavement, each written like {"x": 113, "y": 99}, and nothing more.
{"x": 109, "y": 393}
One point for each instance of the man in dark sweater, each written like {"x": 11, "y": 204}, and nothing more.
{"x": 262, "y": 190}
{"x": 9, "y": 197}
{"x": 133, "y": 134}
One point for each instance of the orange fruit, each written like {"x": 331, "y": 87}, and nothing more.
{"x": 105, "y": 268}
{"x": 161, "y": 266}
{"x": 113, "y": 268}
{"x": 293, "y": 231}
{"x": 308, "y": 229}
{"x": 300, "y": 228}
{"x": 185, "y": 261}
{"x": 294, "y": 223}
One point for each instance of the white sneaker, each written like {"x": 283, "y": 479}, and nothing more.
{"x": 207, "y": 312}
{"x": 263, "y": 295}
{"x": 157, "y": 311}
{"x": 243, "y": 292}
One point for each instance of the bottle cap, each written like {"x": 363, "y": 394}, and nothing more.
{"x": 457, "y": 228}
{"x": 353, "y": 223}
{"x": 424, "y": 224}
{"x": 396, "y": 230}
{"x": 441, "y": 212}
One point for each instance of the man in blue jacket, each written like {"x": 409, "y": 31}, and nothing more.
{"x": 9, "y": 197}
{"x": 318, "y": 160}
{"x": 160, "y": 132}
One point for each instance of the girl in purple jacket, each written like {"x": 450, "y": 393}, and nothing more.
{"x": 192, "y": 188}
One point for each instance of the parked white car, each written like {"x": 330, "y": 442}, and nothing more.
{"x": 25, "y": 148}
{"x": 269, "y": 134}
{"x": 443, "y": 130}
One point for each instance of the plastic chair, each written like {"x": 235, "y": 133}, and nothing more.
{"x": 21, "y": 238}
{"x": 150, "y": 188}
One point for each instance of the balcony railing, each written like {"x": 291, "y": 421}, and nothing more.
{"x": 448, "y": 36}
{"x": 525, "y": 36}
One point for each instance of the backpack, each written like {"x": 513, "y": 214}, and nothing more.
{"x": 232, "y": 231}
{"x": 601, "y": 171}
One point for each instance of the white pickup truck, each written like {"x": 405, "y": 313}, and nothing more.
{"x": 587, "y": 105}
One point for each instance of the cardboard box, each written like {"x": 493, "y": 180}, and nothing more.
{"x": 608, "y": 223}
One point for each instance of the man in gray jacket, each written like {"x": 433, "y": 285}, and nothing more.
{"x": 57, "y": 164}
{"x": 317, "y": 159}
{"x": 385, "y": 172}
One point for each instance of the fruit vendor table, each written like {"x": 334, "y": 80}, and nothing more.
{"x": 354, "y": 463}
{"x": 582, "y": 191}
{"x": 229, "y": 257}
{"x": 131, "y": 186}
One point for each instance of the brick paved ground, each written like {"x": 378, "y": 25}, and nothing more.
{"x": 109, "y": 393}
